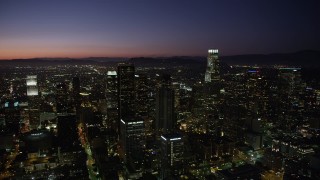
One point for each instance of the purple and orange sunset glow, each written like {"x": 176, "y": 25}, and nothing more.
{"x": 160, "y": 89}
{"x": 77, "y": 28}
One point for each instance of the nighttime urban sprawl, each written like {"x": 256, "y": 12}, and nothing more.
{"x": 163, "y": 90}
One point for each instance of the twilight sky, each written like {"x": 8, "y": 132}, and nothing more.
{"x": 118, "y": 28}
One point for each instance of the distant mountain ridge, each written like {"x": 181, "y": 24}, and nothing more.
{"x": 306, "y": 58}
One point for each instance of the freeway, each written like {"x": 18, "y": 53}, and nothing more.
{"x": 6, "y": 172}
{"x": 93, "y": 173}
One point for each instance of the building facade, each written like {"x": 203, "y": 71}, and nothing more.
{"x": 213, "y": 66}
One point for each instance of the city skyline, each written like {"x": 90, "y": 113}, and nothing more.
{"x": 79, "y": 29}
{"x": 167, "y": 120}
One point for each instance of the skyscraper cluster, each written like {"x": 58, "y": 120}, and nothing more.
{"x": 199, "y": 120}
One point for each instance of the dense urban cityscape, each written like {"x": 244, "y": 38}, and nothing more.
{"x": 122, "y": 121}
{"x": 159, "y": 90}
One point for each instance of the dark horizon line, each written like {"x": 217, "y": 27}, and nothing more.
{"x": 155, "y": 57}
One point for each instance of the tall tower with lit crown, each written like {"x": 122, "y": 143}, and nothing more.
{"x": 33, "y": 101}
{"x": 32, "y": 85}
{"x": 213, "y": 66}
{"x": 112, "y": 100}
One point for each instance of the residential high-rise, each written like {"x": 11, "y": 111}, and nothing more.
{"x": 213, "y": 66}
{"x": 126, "y": 91}
{"x": 165, "y": 106}
{"x": 172, "y": 155}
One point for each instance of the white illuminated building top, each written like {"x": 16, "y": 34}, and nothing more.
{"x": 32, "y": 85}
{"x": 32, "y": 77}
{"x": 135, "y": 122}
{"x": 213, "y": 51}
{"x": 31, "y": 80}
{"x": 171, "y": 139}
{"x": 212, "y": 72}
{"x": 112, "y": 73}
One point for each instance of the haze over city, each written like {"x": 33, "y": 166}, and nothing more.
{"x": 99, "y": 28}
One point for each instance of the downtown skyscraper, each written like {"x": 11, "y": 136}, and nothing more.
{"x": 126, "y": 91}
{"x": 112, "y": 99}
{"x": 61, "y": 98}
{"x": 213, "y": 66}
{"x": 172, "y": 155}
{"x": 165, "y": 106}
{"x": 33, "y": 101}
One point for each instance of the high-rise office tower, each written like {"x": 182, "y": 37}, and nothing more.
{"x": 142, "y": 93}
{"x": 67, "y": 131}
{"x": 32, "y": 85}
{"x": 290, "y": 89}
{"x": 172, "y": 154}
{"x": 165, "y": 106}
{"x": 112, "y": 99}
{"x": 133, "y": 141}
{"x": 12, "y": 117}
{"x": 213, "y": 66}
{"x": 61, "y": 98}
{"x": 126, "y": 90}
{"x": 290, "y": 81}
{"x": 33, "y": 101}
{"x": 112, "y": 89}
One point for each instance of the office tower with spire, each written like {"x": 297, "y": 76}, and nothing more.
{"x": 213, "y": 66}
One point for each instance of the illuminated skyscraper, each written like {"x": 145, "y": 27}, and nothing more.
{"x": 111, "y": 89}
{"x": 133, "y": 142}
{"x": 213, "y": 66}
{"x": 290, "y": 81}
{"x": 32, "y": 85}
{"x": 126, "y": 93}
{"x": 172, "y": 154}
{"x": 112, "y": 99}
{"x": 33, "y": 101}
